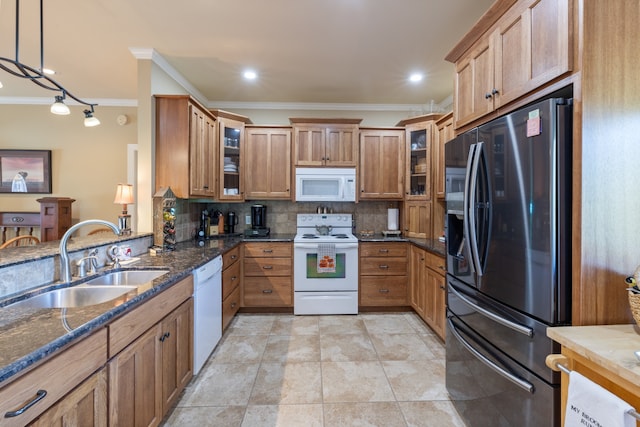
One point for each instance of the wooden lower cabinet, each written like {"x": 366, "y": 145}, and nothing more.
{"x": 231, "y": 279}
{"x": 383, "y": 274}
{"x": 86, "y": 405}
{"x": 147, "y": 376}
{"x": 60, "y": 377}
{"x": 427, "y": 288}
{"x": 267, "y": 275}
{"x": 135, "y": 382}
{"x": 417, "y": 283}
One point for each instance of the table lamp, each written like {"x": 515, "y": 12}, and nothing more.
{"x": 124, "y": 197}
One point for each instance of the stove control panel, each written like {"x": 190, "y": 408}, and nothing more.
{"x": 336, "y": 220}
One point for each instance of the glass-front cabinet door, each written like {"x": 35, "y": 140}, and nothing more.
{"x": 231, "y": 143}
{"x": 418, "y": 161}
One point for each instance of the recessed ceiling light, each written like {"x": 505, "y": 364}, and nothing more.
{"x": 415, "y": 77}
{"x": 250, "y": 75}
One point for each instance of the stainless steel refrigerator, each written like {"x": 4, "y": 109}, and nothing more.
{"x": 508, "y": 229}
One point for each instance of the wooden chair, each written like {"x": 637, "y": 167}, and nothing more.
{"x": 25, "y": 240}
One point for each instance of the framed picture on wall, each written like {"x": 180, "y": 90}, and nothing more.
{"x": 25, "y": 171}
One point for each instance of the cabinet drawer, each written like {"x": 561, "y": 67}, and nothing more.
{"x": 376, "y": 290}
{"x": 436, "y": 263}
{"x": 383, "y": 249}
{"x": 228, "y": 258}
{"x": 267, "y": 292}
{"x": 230, "y": 279}
{"x": 383, "y": 266}
{"x": 267, "y": 249}
{"x": 267, "y": 267}
{"x": 230, "y": 307}
{"x": 133, "y": 324}
{"x": 57, "y": 377}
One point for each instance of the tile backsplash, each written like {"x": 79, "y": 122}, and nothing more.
{"x": 281, "y": 215}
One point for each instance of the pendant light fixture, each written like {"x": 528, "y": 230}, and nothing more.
{"x": 38, "y": 76}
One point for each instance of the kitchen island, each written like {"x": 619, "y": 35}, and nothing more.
{"x": 605, "y": 354}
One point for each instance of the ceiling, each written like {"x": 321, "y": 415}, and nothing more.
{"x": 304, "y": 51}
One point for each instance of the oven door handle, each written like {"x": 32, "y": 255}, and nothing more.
{"x": 525, "y": 330}
{"x": 525, "y": 385}
{"x": 315, "y": 245}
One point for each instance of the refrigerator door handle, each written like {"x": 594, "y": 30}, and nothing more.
{"x": 471, "y": 207}
{"x": 525, "y": 385}
{"x": 525, "y": 330}
{"x": 465, "y": 201}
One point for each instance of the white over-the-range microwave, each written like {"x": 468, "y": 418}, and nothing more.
{"x": 325, "y": 184}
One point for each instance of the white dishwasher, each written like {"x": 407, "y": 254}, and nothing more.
{"x": 207, "y": 316}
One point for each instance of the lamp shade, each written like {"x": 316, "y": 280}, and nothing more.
{"x": 124, "y": 194}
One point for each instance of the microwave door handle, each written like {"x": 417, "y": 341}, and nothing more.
{"x": 473, "y": 233}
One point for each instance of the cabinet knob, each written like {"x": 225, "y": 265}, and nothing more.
{"x": 234, "y": 256}
{"x": 494, "y": 91}
{"x": 233, "y": 305}
{"x": 267, "y": 291}
{"x": 233, "y": 278}
{"x": 487, "y": 95}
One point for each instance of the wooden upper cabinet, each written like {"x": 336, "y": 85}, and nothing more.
{"x": 382, "y": 164}
{"x": 444, "y": 134}
{"x": 325, "y": 142}
{"x": 528, "y": 46}
{"x": 185, "y": 147}
{"x": 203, "y": 156}
{"x": 231, "y": 150}
{"x": 474, "y": 83}
{"x": 268, "y": 163}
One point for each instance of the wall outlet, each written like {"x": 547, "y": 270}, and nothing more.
{"x": 247, "y": 219}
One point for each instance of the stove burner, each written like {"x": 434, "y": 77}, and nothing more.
{"x": 309, "y": 236}
{"x": 340, "y": 236}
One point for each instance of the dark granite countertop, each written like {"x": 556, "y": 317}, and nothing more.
{"x": 28, "y": 336}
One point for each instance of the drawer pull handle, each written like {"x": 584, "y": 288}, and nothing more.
{"x": 267, "y": 267}
{"x": 383, "y": 266}
{"x": 267, "y": 251}
{"x": 383, "y": 291}
{"x": 164, "y": 336}
{"x": 441, "y": 267}
{"x": 40, "y": 394}
{"x": 384, "y": 251}
{"x": 267, "y": 291}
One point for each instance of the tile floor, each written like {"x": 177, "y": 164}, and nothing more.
{"x": 283, "y": 370}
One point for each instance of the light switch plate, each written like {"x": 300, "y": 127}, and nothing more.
{"x": 247, "y": 219}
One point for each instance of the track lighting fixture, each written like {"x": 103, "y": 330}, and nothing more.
{"x": 38, "y": 76}
{"x": 89, "y": 119}
{"x": 59, "y": 107}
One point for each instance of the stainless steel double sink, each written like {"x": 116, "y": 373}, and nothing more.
{"x": 94, "y": 291}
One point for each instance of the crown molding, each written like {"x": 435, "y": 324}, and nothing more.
{"x": 313, "y": 106}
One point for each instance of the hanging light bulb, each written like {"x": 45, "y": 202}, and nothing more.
{"x": 89, "y": 119}
{"x": 59, "y": 107}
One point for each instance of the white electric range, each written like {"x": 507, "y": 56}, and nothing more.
{"x": 325, "y": 265}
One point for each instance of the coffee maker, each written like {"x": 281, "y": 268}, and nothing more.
{"x": 258, "y": 222}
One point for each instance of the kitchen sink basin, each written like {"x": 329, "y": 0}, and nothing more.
{"x": 77, "y": 296}
{"x": 127, "y": 277}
